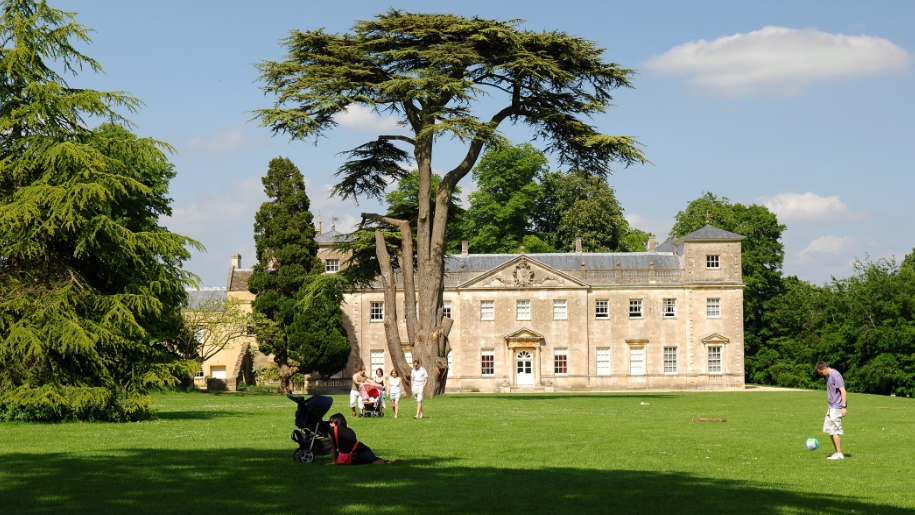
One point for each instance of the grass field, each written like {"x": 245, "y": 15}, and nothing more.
{"x": 520, "y": 453}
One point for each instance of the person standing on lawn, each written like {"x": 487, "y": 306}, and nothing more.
{"x": 837, "y": 398}
{"x": 394, "y": 385}
{"x": 418, "y": 378}
{"x": 355, "y": 398}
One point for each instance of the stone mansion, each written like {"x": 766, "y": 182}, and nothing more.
{"x": 668, "y": 318}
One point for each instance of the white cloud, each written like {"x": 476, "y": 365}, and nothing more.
{"x": 778, "y": 59}
{"x": 215, "y": 215}
{"x": 808, "y": 207}
{"x": 226, "y": 141}
{"x": 363, "y": 119}
{"x": 828, "y": 246}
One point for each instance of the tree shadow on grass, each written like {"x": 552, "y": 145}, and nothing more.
{"x": 559, "y": 396}
{"x": 257, "y": 481}
{"x": 197, "y": 415}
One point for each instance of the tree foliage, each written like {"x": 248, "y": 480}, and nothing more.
{"x": 318, "y": 339}
{"x": 284, "y": 238}
{"x": 581, "y": 205}
{"x": 90, "y": 284}
{"x": 430, "y": 70}
{"x": 499, "y": 216}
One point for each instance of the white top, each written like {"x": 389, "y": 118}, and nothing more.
{"x": 419, "y": 377}
{"x": 394, "y": 383}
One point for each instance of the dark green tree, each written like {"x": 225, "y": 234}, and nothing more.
{"x": 284, "y": 239}
{"x": 581, "y": 205}
{"x": 762, "y": 256}
{"x": 499, "y": 216}
{"x": 870, "y": 327}
{"x": 90, "y": 284}
{"x": 317, "y": 337}
{"x": 429, "y": 70}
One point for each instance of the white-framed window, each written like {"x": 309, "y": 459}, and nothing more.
{"x": 200, "y": 335}
{"x": 714, "y": 359}
{"x": 377, "y": 361}
{"x": 376, "y": 311}
{"x": 331, "y": 266}
{"x": 635, "y": 308}
{"x": 637, "y": 361}
{"x": 603, "y": 361}
{"x": 669, "y": 307}
{"x": 446, "y": 308}
{"x": 670, "y": 360}
{"x": 712, "y": 261}
{"x": 560, "y": 309}
{"x": 713, "y": 308}
{"x": 561, "y": 361}
{"x": 523, "y": 310}
{"x": 488, "y": 362}
{"x": 602, "y": 308}
{"x": 408, "y": 355}
{"x": 199, "y": 374}
{"x": 487, "y": 310}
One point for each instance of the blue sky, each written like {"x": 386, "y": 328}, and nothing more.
{"x": 805, "y": 107}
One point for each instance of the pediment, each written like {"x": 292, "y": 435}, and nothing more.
{"x": 715, "y": 339}
{"x": 523, "y": 272}
{"x": 523, "y": 334}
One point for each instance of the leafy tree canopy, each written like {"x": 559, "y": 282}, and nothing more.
{"x": 90, "y": 284}
{"x": 499, "y": 216}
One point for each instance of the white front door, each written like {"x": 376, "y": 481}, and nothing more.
{"x": 524, "y": 368}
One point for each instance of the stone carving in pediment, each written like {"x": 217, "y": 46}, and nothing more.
{"x": 523, "y": 275}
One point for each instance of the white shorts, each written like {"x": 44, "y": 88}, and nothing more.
{"x": 395, "y": 396}
{"x": 418, "y": 395}
{"x": 832, "y": 425}
{"x": 355, "y": 399}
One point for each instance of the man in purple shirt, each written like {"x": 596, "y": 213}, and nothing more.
{"x": 838, "y": 406}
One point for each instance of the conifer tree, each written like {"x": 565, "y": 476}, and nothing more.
{"x": 284, "y": 238}
{"x": 90, "y": 284}
{"x": 430, "y": 70}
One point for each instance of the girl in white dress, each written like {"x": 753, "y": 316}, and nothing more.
{"x": 394, "y": 390}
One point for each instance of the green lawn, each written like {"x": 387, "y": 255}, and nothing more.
{"x": 538, "y": 453}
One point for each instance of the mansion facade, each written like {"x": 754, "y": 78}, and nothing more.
{"x": 668, "y": 318}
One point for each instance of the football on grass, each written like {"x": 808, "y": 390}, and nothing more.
{"x": 813, "y": 444}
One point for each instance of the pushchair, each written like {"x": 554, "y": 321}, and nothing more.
{"x": 371, "y": 399}
{"x": 313, "y": 432}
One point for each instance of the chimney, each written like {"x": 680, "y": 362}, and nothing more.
{"x": 236, "y": 260}
{"x": 320, "y": 223}
{"x": 652, "y": 243}
{"x": 578, "y": 244}
{"x": 464, "y": 247}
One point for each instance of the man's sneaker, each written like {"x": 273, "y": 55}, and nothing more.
{"x": 836, "y": 456}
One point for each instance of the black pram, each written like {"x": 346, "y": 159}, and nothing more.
{"x": 312, "y": 435}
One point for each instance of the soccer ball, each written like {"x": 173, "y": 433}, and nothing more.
{"x": 813, "y": 444}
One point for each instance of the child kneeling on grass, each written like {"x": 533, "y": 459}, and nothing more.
{"x": 343, "y": 441}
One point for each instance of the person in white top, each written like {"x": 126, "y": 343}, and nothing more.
{"x": 394, "y": 390}
{"x": 418, "y": 377}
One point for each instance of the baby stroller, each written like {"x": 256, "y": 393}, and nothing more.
{"x": 312, "y": 435}
{"x": 371, "y": 399}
